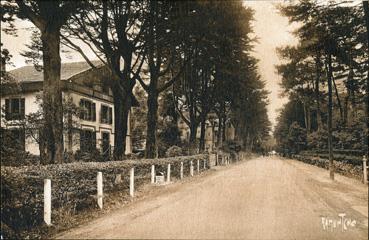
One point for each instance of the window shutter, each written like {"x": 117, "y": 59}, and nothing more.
{"x": 7, "y": 109}
{"x": 81, "y": 140}
{"x": 93, "y": 139}
{"x": 22, "y": 108}
{"x": 93, "y": 111}
{"x": 101, "y": 113}
{"x": 81, "y": 109}
{"x": 110, "y": 116}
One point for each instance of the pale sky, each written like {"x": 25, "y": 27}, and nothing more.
{"x": 271, "y": 29}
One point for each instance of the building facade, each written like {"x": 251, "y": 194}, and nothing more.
{"x": 211, "y": 132}
{"x": 90, "y": 126}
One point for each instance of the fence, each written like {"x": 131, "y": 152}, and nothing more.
{"x": 78, "y": 186}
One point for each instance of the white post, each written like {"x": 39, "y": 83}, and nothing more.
{"x": 198, "y": 166}
{"x": 132, "y": 182}
{"x": 365, "y": 171}
{"x": 168, "y": 173}
{"x": 181, "y": 172}
{"x": 191, "y": 169}
{"x": 204, "y": 164}
{"x": 47, "y": 201}
{"x": 152, "y": 173}
{"x": 99, "y": 190}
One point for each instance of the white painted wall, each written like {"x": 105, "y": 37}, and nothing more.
{"x": 31, "y": 106}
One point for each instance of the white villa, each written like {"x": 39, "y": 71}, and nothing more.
{"x": 82, "y": 85}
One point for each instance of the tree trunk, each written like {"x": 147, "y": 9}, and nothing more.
{"x": 307, "y": 117}
{"x": 338, "y": 99}
{"x": 345, "y": 109}
{"x": 202, "y": 133}
{"x": 219, "y": 133}
{"x": 317, "y": 93}
{"x": 330, "y": 147}
{"x": 152, "y": 119}
{"x": 224, "y": 129}
{"x": 247, "y": 141}
{"x": 70, "y": 132}
{"x": 122, "y": 105}
{"x": 366, "y": 144}
{"x": 42, "y": 148}
{"x": 52, "y": 96}
{"x": 193, "y": 132}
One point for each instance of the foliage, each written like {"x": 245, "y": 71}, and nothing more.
{"x": 174, "y": 151}
{"x": 332, "y": 49}
{"x": 296, "y": 138}
{"x": 318, "y": 140}
{"x": 345, "y": 167}
{"x": 22, "y": 187}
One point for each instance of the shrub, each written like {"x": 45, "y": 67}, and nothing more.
{"x": 16, "y": 157}
{"x": 93, "y": 155}
{"x": 174, "y": 151}
{"x": 318, "y": 140}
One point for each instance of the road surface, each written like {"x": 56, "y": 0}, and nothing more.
{"x": 261, "y": 198}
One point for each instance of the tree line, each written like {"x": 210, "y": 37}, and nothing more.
{"x": 195, "y": 52}
{"x": 325, "y": 77}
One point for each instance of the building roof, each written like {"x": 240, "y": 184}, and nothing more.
{"x": 30, "y": 74}
{"x": 31, "y": 80}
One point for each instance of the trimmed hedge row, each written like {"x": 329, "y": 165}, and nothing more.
{"x": 350, "y": 152}
{"x": 349, "y": 159}
{"x": 73, "y": 186}
{"x": 341, "y": 167}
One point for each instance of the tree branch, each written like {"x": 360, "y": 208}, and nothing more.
{"x": 38, "y": 21}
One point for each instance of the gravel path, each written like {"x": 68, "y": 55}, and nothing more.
{"x": 261, "y": 198}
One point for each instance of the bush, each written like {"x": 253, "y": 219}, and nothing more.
{"x": 92, "y": 156}
{"x": 174, "y": 151}
{"x": 318, "y": 140}
{"x": 16, "y": 157}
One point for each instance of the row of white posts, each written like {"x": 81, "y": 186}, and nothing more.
{"x": 100, "y": 195}
{"x": 225, "y": 159}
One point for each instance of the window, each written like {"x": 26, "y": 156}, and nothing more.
{"x": 87, "y": 140}
{"x": 88, "y": 110}
{"x": 106, "y": 114}
{"x": 14, "y": 109}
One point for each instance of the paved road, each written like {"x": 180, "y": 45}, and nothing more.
{"x": 262, "y": 198}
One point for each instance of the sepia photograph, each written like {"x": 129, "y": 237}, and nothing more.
{"x": 184, "y": 119}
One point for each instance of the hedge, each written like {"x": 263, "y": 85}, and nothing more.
{"x": 73, "y": 186}
{"x": 344, "y": 158}
{"x": 350, "y": 152}
{"x": 343, "y": 168}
